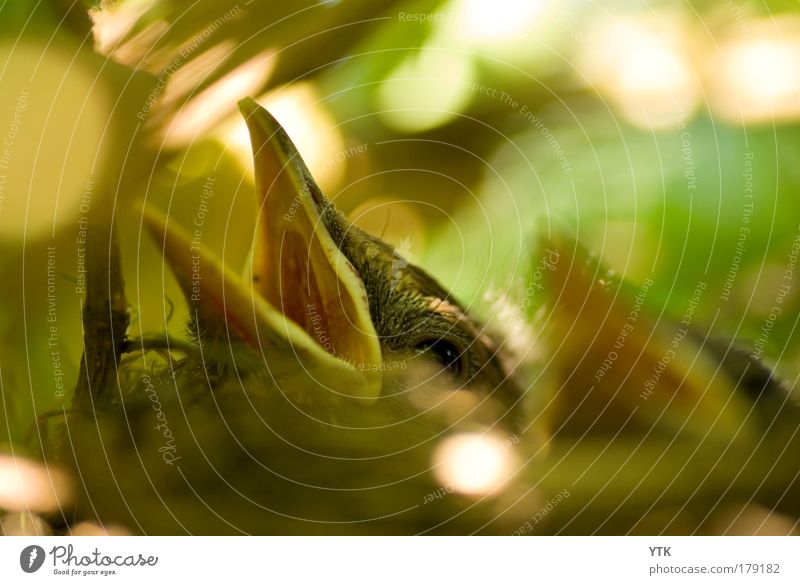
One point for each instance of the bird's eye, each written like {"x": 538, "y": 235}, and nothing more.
{"x": 443, "y": 351}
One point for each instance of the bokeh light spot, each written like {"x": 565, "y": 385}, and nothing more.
{"x": 54, "y": 116}
{"x": 756, "y": 78}
{"x": 29, "y": 486}
{"x": 426, "y": 90}
{"x": 474, "y": 463}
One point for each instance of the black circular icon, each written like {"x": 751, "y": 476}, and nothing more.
{"x": 31, "y": 558}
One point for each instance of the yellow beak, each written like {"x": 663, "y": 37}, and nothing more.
{"x": 306, "y": 311}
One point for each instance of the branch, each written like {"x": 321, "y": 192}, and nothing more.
{"x": 105, "y": 312}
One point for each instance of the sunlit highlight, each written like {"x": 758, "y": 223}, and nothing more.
{"x": 496, "y": 20}
{"x": 112, "y": 22}
{"x": 215, "y": 102}
{"x": 186, "y": 79}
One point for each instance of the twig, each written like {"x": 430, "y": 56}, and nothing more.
{"x": 105, "y": 312}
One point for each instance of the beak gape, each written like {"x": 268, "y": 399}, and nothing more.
{"x": 306, "y": 310}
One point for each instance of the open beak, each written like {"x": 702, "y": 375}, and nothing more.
{"x": 306, "y": 310}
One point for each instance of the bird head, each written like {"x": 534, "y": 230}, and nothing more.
{"x": 325, "y": 304}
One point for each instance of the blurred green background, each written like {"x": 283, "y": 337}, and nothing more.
{"x": 662, "y": 135}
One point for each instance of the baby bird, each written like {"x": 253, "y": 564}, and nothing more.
{"x": 323, "y": 382}
{"x": 327, "y": 295}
